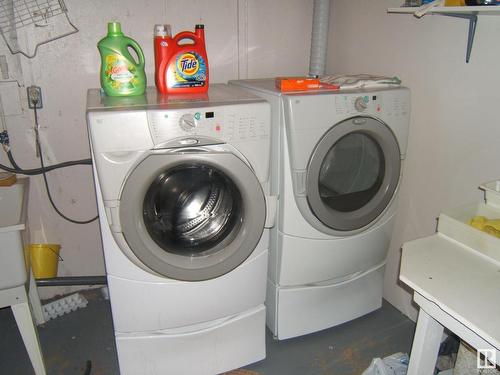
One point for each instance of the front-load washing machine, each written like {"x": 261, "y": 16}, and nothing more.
{"x": 336, "y": 167}
{"x": 181, "y": 187}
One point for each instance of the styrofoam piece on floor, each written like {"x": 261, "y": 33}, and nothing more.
{"x": 105, "y": 292}
{"x": 64, "y": 306}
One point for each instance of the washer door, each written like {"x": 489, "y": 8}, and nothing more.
{"x": 192, "y": 216}
{"x": 353, "y": 173}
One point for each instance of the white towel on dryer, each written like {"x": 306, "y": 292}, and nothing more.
{"x": 357, "y": 81}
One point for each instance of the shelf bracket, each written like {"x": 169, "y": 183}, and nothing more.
{"x": 472, "y": 17}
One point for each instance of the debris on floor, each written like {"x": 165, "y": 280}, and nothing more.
{"x": 447, "y": 353}
{"x": 395, "y": 364}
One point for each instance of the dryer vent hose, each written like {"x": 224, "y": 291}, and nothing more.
{"x": 319, "y": 38}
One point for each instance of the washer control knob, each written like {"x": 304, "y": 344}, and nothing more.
{"x": 187, "y": 122}
{"x": 360, "y": 104}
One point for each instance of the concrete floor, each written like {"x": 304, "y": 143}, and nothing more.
{"x": 86, "y": 334}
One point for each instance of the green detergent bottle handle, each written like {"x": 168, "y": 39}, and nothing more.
{"x": 138, "y": 50}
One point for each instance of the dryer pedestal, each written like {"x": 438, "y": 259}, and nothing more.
{"x": 297, "y": 311}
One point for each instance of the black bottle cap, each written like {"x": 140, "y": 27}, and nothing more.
{"x": 199, "y": 26}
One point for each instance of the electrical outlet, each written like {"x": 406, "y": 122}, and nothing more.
{"x": 34, "y": 97}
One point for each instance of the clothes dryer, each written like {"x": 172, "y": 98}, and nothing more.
{"x": 337, "y": 168}
{"x": 181, "y": 189}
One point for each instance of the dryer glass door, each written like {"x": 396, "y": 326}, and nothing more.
{"x": 192, "y": 216}
{"x": 353, "y": 173}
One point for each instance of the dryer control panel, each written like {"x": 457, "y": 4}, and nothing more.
{"x": 228, "y": 123}
{"x": 370, "y": 103}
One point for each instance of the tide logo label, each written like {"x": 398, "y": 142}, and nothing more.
{"x": 188, "y": 64}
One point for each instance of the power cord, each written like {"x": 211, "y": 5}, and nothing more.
{"x": 43, "y": 169}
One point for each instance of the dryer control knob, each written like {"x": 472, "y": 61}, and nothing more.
{"x": 187, "y": 122}
{"x": 360, "y": 104}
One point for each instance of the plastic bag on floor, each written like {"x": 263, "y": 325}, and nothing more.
{"x": 395, "y": 364}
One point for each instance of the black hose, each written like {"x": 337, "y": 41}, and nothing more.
{"x": 36, "y": 171}
{"x": 12, "y": 161}
{"x": 39, "y": 148}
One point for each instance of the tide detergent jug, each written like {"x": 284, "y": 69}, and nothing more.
{"x": 121, "y": 75}
{"x": 181, "y": 67}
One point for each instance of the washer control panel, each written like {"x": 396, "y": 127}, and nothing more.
{"x": 187, "y": 122}
{"x": 239, "y": 122}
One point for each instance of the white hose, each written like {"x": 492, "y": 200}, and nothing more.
{"x": 319, "y": 38}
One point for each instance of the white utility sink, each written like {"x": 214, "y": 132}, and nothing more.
{"x": 13, "y": 210}
{"x": 17, "y": 285}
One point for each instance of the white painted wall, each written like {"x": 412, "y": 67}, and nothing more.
{"x": 245, "y": 38}
{"x": 455, "y": 125}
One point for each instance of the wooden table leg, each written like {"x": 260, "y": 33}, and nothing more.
{"x": 426, "y": 342}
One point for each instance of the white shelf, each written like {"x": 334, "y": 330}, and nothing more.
{"x": 491, "y": 10}
{"x": 467, "y": 12}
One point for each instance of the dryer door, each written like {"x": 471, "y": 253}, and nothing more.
{"x": 192, "y": 216}
{"x": 353, "y": 173}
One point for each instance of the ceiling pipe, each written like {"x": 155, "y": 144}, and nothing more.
{"x": 319, "y": 38}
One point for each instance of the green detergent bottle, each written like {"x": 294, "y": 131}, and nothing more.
{"x": 121, "y": 75}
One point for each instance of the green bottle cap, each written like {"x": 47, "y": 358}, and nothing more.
{"x": 114, "y": 28}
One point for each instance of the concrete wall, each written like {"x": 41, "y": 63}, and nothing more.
{"x": 245, "y": 38}
{"x": 455, "y": 128}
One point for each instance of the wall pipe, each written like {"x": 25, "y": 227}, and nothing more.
{"x": 319, "y": 38}
{"x": 72, "y": 280}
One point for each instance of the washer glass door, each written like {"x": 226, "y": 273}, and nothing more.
{"x": 192, "y": 208}
{"x": 192, "y": 215}
{"x": 353, "y": 173}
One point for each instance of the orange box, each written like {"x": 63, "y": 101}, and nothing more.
{"x": 296, "y": 83}
{"x": 301, "y": 84}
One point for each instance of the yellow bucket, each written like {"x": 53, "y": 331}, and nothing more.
{"x": 44, "y": 259}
